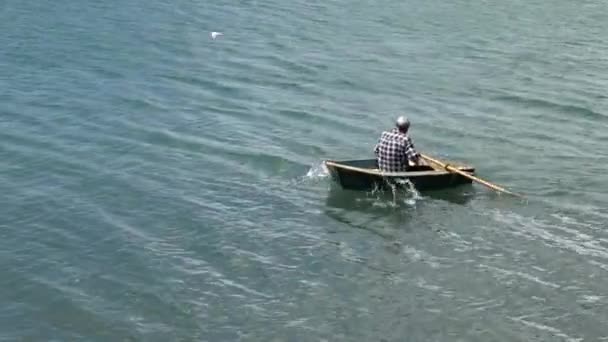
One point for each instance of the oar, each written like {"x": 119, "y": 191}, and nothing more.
{"x": 486, "y": 183}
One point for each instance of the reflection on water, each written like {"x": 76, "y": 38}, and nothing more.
{"x": 397, "y": 199}
{"x": 460, "y": 195}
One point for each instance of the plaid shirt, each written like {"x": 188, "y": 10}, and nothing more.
{"x": 393, "y": 151}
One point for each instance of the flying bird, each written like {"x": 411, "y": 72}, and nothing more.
{"x": 214, "y": 35}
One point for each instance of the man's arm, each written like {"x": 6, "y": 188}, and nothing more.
{"x": 410, "y": 151}
{"x": 377, "y": 147}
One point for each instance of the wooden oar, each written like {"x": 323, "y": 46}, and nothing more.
{"x": 465, "y": 174}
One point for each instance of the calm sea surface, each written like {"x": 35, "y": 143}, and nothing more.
{"x": 159, "y": 185}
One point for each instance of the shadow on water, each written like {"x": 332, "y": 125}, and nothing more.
{"x": 384, "y": 212}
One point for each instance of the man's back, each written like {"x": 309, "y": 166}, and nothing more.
{"x": 393, "y": 151}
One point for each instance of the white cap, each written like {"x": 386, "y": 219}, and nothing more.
{"x": 402, "y": 121}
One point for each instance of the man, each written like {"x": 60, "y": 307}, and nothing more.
{"x": 395, "y": 150}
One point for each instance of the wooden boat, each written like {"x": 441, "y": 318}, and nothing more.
{"x": 364, "y": 175}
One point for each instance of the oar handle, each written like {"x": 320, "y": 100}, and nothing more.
{"x": 479, "y": 180}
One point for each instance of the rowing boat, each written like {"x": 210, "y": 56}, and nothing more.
{"x": 364, "y": 175}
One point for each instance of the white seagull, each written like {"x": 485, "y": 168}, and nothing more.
{"x": 215, "y": 35}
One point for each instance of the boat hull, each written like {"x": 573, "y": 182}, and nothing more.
{"x": 362, "y": 175}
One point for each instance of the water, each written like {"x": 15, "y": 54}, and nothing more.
{"x": 158, "y": 185}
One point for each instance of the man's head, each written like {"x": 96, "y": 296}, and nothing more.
{"x": 403, "y": 124}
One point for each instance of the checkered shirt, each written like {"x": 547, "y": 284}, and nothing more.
{"x": 393, "y": 151}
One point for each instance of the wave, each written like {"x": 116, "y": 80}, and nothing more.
{"x": 553, "y": 106}
{"x": 555, "y": 233}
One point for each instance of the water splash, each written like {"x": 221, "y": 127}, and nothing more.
{"x": 214, "y": 35}
{"x": 403, "y": 191}
{"x": 317, "y": 171}
{"x": 410, "y": 190}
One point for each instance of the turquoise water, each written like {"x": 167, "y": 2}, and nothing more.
{"x": 158, "y": 185}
